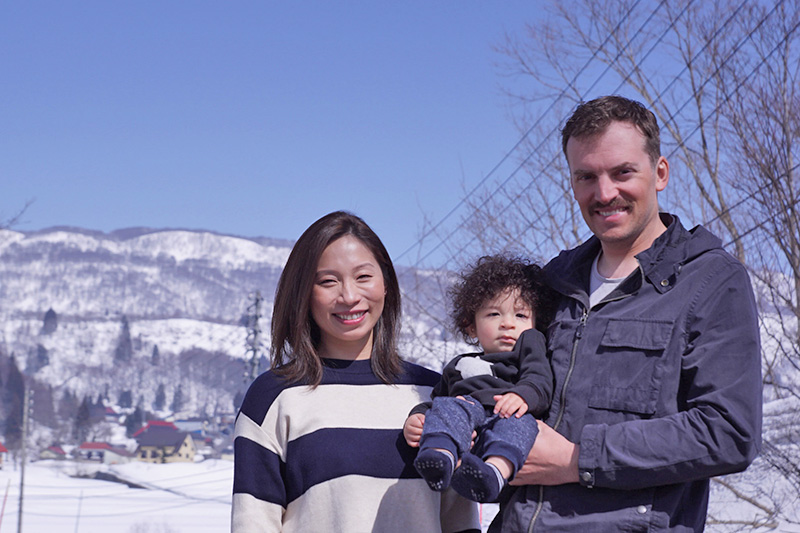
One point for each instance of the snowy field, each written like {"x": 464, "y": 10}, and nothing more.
{"x": 174, "y": 498}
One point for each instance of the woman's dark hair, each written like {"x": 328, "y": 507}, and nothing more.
{"x": 295, "y": 335}
{"x": 490, "y": 276}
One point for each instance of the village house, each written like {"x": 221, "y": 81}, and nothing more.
{"x": 104, "y": 453}
{"x": 53, "y": 452}
{"x": 3, "y": 455}
{"x": 162, "y": 442}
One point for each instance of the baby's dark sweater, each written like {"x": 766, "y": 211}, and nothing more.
{"x": 525, "y": 371}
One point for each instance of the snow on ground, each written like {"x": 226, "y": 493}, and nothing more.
{"x": 174, "y": 498}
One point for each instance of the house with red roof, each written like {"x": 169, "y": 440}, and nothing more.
{"x": 104, "y": 453}
{"x": 53, "y": 452}
{"x": 3, "y": 455}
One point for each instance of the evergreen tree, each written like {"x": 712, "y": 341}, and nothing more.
{"x": 134, "y": 421}
{"x": 68, "y": 407}
{"x": 177, "y": 400}
{"x": 123, "y": 353}
{"x": 37, "y": 359}
{"x": 43, "y": 409}
{"x": 83, "y": 421}
{"x": 13, "y": 399}
{"x": 50, "y": 322}
{"x": 156, "y": 358}
{"x": 125, "y": 399}
{"x": 161, "y": 398}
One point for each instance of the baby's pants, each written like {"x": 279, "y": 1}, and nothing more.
{"x": 449, "y": 424}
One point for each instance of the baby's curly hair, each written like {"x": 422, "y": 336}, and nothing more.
{"x": 491, "y": 275}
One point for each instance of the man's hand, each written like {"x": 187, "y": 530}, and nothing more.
{"x": 553, "y": 460}
{"x": 509, "y": 404}
{"x": 412, "y": 429}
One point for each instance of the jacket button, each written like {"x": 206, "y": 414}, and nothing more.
{"x": 664, "y": 282}
{"x": 641, "y": 509}
{"x": 586, "y": 477}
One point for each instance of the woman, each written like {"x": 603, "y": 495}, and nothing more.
{"x": 319, "y": 442}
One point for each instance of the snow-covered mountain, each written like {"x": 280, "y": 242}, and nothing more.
{"x": 137, "y": 272}
{"x": 185, "y": 292}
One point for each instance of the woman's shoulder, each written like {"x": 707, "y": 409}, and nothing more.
{"x": 414, "y": 374}
{"x": 263, "y": 391}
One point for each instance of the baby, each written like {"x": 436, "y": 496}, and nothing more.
{"x": 495, "y": 393}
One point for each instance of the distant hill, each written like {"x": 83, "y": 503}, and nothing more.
{"x": 185, "y": 292}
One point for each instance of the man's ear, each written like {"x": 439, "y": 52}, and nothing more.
{"x": 662, "y": 173}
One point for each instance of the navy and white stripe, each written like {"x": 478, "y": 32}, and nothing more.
{"x": 336, "y": 453}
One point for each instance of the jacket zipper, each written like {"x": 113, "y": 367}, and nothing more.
{"x": 572, "y": 357}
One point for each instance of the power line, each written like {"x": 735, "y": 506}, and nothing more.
{"x": 520, "y": 141}
{"x": 659, "y": 97}
{"x": 552, "y": 131}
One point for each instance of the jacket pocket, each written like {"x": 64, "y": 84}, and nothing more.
{"x": 629, "y": 365}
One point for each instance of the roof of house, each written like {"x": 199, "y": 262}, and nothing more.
{"x": 56, "y": 449}
{"x": 155, "y": 424}
{"x": 104, "y": 446}
{"x": 95, "y": 446}
{"x": 3, "y": 449}
{"x": 161, "y": 436}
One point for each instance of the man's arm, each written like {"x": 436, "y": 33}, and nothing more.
{"x": 553, "y": 460}
{"x": 718, "y": 424}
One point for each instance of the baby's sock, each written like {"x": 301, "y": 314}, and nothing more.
{"x": 478, "y": 481}
{"x": 436, "y": 467}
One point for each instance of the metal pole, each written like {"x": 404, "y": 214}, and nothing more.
{"x": 78, "y": 518}
{"x": 25, "y": 408}
{"x": 3, "y": 510}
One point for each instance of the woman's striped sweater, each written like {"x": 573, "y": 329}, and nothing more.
{"x": 334, "y": 458}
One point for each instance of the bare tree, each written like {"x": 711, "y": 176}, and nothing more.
{"x": 13, "y": 220}
{"x": 723, "y": 78}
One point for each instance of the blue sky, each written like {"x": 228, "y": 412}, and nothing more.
{"x": 250, "y": 118}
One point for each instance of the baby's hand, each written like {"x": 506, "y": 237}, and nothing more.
{"x": 412, "y": 429}
{"x": 509, "y": 404}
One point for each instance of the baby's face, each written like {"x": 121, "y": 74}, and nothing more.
{"x": 500, "y": 321}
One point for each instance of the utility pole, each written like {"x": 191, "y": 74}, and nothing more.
{"x": 254, "y": 337}
{"x": 26, "y": 406}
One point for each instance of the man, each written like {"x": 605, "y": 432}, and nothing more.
{"x": 655, "y": 350}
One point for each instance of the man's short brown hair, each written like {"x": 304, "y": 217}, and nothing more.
{"x": 593, "y": 117}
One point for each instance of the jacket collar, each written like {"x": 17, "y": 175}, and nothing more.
{"x": 659, "y": 265}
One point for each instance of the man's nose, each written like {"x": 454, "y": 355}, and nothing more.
{"x": 606, "y": 189}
